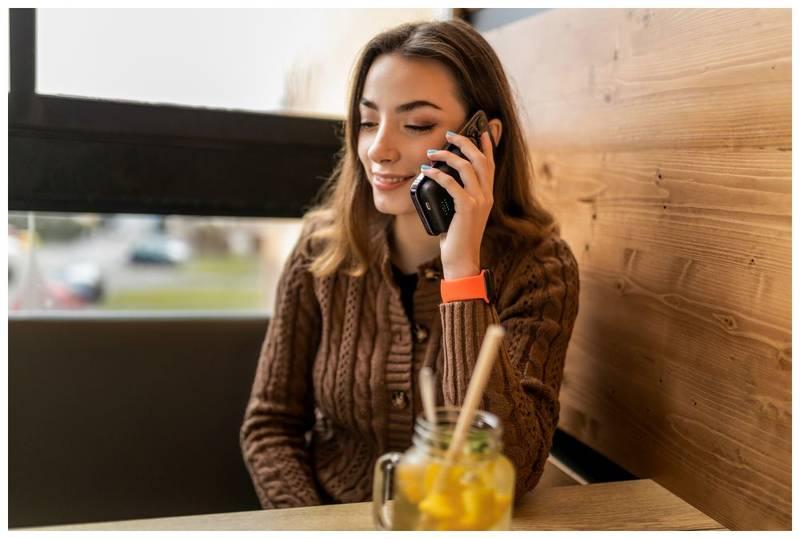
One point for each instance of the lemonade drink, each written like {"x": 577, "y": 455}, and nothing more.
{"x": 475, "y": 493}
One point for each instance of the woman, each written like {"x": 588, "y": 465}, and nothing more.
{"x": 359, "y": 308}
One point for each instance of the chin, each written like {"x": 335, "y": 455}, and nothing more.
{"x": 393, "y": 203}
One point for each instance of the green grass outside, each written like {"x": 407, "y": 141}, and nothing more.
{"x": 184, "y": 299}
{"x": 193, "y": 293}
{"x": 230, "y": 266}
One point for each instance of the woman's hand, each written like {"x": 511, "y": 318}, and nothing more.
{"x": 461, "y": 244}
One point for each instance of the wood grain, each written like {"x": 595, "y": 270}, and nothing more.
{"x": 627, "y": 505}
{"x": 623, "y": 79}
{"x": 661, "y": 139}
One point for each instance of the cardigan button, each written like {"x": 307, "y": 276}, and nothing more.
{"x": 432, "y": 275}
{"x": 399, "y": 400}
{"x": 420, "y": 333}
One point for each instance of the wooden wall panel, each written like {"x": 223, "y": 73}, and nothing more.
{"x": 631, "y": 79}
{"x": 661, "y": 138}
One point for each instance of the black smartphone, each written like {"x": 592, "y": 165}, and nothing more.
{"x": 434, "y": 204}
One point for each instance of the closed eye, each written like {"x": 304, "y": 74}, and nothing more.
{"x": 415, "y": 128}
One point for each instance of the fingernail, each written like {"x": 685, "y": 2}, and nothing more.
{"x": 425, "y": 167}
{"x": 432, "y": 151}
{"x": 450, "y": 133}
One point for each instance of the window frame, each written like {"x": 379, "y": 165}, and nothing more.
{"x": 103, "y": 156}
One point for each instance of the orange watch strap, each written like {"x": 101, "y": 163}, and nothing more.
{"x": 465, "y": 288}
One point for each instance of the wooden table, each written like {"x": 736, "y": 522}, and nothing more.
{"x": 626, "y": 505}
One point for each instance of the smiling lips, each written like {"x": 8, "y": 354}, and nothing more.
{"x": 388, "y": 182}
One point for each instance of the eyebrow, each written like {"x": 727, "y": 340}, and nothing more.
{"x": 405, "y": 107}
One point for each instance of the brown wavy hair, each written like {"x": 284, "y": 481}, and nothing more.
{"x": 346, "y": 219}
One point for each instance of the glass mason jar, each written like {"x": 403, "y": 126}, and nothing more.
{"x": 475, "y": 493}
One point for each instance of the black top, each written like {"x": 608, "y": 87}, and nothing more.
{"x": 408, "y": 284}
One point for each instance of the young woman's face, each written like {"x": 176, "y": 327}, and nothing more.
{"x": 406, "y": 108}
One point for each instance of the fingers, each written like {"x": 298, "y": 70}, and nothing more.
{"x": 463, "y": 200}
{"x": 467, "y": 147}
{"x": 482, "y": 161}
{"x": 464, "y": 168}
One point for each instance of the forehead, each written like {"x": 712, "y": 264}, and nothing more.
{"x": 393, "y": 80}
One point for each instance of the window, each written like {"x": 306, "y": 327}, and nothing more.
{"x": 269, "y": 60}
{"x": 145, "y": 262}
{"x": 185, "y": 113}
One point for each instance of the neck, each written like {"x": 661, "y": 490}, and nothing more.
{"x": 411, "y": 245}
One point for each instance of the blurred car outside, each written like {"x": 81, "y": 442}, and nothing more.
{"x": 84, "y": 280}
{"x": 76, "y": 285}
{"x": 160, "y": 250}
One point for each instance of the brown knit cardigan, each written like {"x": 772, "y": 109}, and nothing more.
{"x": 336, "y": 383}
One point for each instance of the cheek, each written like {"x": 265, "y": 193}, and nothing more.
{"x": 430, "y": 143}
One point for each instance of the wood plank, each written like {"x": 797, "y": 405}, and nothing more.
{"x": 661, "y": 139}
{"x": 556, "y": 474}
{"x": 628, "y": 505}
{"x": 623, "y": 79}
{"x": 675, "y": 415}
{"x": 706, "y": 225}
{"x": 700, "y": 285}
{"x": 625, "y": 505}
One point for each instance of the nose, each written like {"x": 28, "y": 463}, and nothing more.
{"x": 383, "y": 148}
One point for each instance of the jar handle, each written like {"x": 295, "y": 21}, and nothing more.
{"x": 382, "y": 489}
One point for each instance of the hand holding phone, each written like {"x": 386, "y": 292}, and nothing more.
{"x": 434, "y": 204}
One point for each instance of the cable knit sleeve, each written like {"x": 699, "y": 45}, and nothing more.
{"x": 280, "y": 409}
{"x": 537, "y": 303}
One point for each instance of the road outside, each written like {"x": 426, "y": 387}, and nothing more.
{"x": 233, "y": 275}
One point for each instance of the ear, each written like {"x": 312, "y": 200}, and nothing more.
{"x": 496, "y": 130}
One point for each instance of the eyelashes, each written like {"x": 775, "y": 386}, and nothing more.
{"x": 415, "y": 128}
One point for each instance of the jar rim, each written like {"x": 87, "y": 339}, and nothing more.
{"x": 486, "y": 429}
